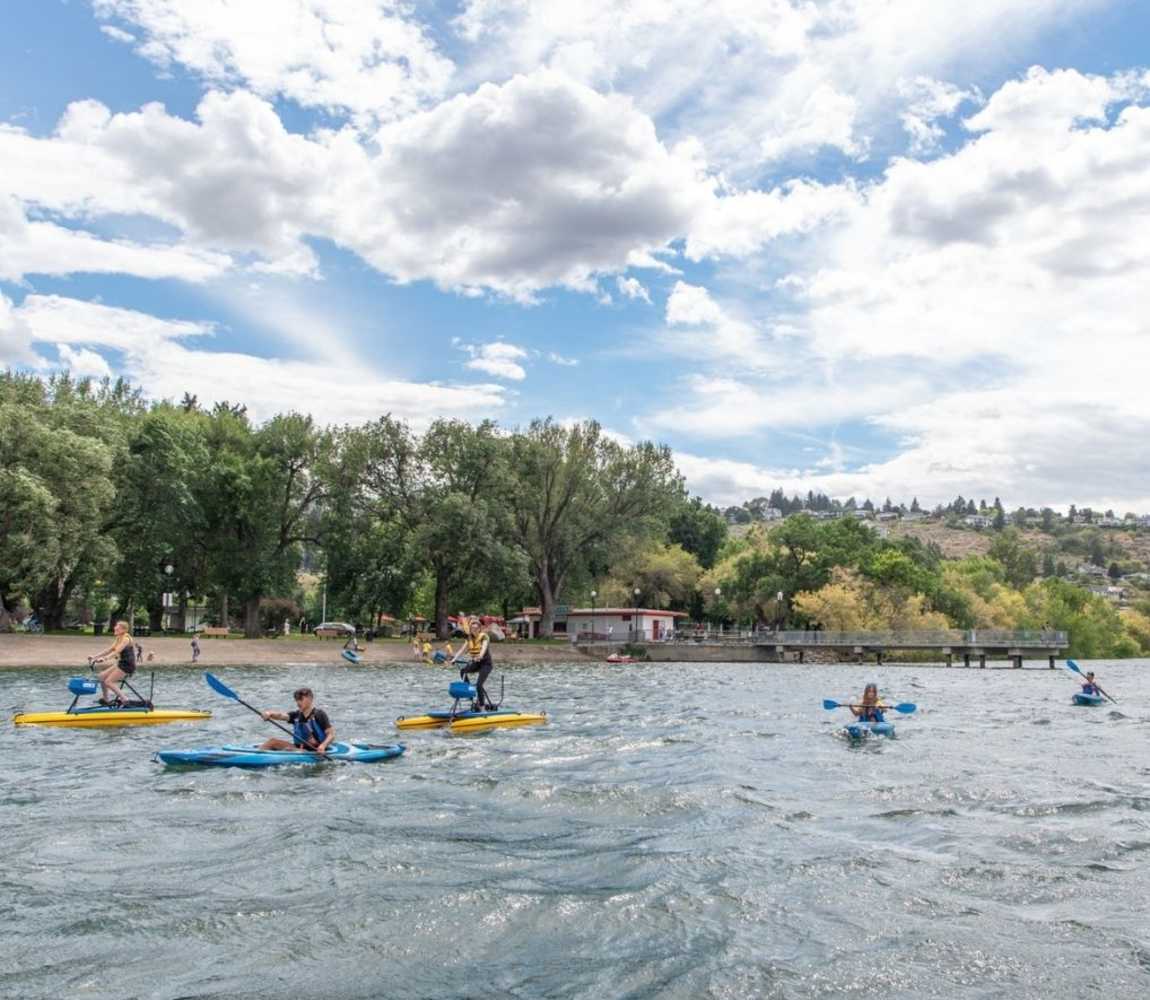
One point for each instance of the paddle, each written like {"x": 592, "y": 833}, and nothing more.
{"x": 905, "y": 707}
{"x": 221, "y": 688}
{"x": 1074, "y": 666}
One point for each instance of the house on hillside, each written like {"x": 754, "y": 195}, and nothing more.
{"x": 978, "y": 521}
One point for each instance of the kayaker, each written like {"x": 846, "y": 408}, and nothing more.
{"x": 311, "y": 726}
{"x": 870, "y": 709}
{"x": 1090, "y": 687}
{"x": 477, "y": 646}
{"x": 124, "y": 650}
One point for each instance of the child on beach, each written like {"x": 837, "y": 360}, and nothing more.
{"x": 195, "y": 649}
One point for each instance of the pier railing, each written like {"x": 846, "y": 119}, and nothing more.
{"x": 1031, "y": 639}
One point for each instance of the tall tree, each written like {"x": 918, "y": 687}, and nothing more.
{"x": 576, "y": 494}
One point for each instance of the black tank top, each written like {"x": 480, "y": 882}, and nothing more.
{"x": 127, "y": 661}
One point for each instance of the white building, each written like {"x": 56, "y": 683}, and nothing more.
{"x": 621, "y": 624}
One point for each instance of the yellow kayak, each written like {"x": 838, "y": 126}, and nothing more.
{"x": 470, "y": 721}
{"x": 98, "y": 716}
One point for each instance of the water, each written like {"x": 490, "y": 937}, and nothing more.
{"x": 675, "y": 831}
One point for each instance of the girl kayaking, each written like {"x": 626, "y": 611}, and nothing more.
{"x": 870, "y": 709}
{"x": 1090, "y": 687}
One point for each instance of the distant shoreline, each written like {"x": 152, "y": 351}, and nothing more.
{"x": 56, "y": 651}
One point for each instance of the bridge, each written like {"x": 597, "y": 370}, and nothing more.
{"x": 971, "y": 645}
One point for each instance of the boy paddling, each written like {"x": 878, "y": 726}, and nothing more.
{"x": 311, "y": 727}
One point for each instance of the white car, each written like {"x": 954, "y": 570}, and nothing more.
{"x": 328, "y": 630}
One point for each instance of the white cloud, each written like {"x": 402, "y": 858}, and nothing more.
{"x": 927, "y": 101}
{"x": 755, "y": 80}
{"x": 559, "y": 359}
{"x": 497, "y": 358}
{"x": 83, "y": 363}
{"x": 28, "y": 248}
{"x": 632, "y": 288}
{"x": 714, "y": 336}
{"x": 535, "y": 184}
{"x": 367, "y": 58}
{"x": 988, "y": 309}
{"x": 155, "y": 354}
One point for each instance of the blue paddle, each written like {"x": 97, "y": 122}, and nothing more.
{"x": 905, "y": 707}
{"x": 1074, "y": 666}
{"x": 221, "y": 688}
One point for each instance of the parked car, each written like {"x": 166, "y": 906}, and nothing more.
{"x": 333, "y": 630}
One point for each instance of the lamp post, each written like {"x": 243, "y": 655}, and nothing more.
{"x": 635, "y": 624}
{"x": 718, "y": 594}
{"x": 779, "y": 611}
{"x": 594, "y": 594}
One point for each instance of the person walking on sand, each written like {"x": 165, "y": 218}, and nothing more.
{"x": 125, "y": 652}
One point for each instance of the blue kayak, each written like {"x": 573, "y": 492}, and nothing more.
{"x": 253, "y": 756}
{"x": 350, "y": 656}
{"x": 861, "y": 730}
{"x": 1088, "y": 699}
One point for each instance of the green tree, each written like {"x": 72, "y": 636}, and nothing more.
{"x": 1018, "y": 560}
{"x": 576, "y": 494}
{"x": 698, "y": 528}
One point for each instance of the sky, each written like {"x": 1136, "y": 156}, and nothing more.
{"x": 865, "y": 247}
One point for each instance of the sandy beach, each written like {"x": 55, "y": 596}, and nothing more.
{"x": 73, "y": 651}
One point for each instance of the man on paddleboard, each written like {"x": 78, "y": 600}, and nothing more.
{"x": 125, "y": 652}
{"x": 477, "y": 645}
{"x": 311, "y": 727}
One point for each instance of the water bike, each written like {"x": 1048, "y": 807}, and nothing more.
{"x": 253, "y": 756}
{"x": 860, "y": 730}
{"x": 470, "y": 719}
{"x": 138, "y": 712}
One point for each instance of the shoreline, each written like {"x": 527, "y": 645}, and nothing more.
{"x": 51, "y": 652}
{"x": 72, "y": 651}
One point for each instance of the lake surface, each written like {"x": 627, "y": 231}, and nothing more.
{"x": 677, "y": 831}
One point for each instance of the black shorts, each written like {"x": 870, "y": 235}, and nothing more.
{"x": 126, "y": 668}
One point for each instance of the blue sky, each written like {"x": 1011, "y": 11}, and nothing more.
{"x": 869, "y": 247}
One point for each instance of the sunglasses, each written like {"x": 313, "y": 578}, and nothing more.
{"x": 301, "y": 695}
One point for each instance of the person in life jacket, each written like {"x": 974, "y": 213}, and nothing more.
{"x": 870, "y": 709}
{"x": 477, "y": 646}
{"x": 1090, "y": 687}
{"x": 124, "y": 649}
{"x": 311, "y": 727}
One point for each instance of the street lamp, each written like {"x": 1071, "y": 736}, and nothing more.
{"x": 779, "y": 611}
{"x": 718, "y": 594}
{"x": 594, "y": 594}
{"x": 636, "y": 622}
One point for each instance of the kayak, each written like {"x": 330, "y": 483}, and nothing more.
{"x": 253, "y": 756}
{"x": 861, "y": 730}
{"x": 1088, "y": 699}
{"x": 620, "y": 658}
{"x": 350, "y": 656}
{"x": 469, "y": 721}
{"x": 96, "y": 716}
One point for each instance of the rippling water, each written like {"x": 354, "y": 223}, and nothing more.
{"x": 676, "y": 831}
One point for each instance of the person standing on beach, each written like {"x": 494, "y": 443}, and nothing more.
{"x": 195, "y": 649}
{"x": 125, "y": 652}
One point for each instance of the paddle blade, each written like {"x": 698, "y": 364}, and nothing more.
{"x": 828, "y": 704}
{"x": 220, "y": 687}
{"x": 1074, "y": 666}
{"x": 906, "y": 707}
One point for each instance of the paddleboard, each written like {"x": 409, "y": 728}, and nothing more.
{"x": 97, "y": 716}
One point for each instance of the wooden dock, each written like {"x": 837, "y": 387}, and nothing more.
{"x": 970, "y": 647}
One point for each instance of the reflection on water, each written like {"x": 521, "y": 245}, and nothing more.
{"x": 675, "y": 831}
